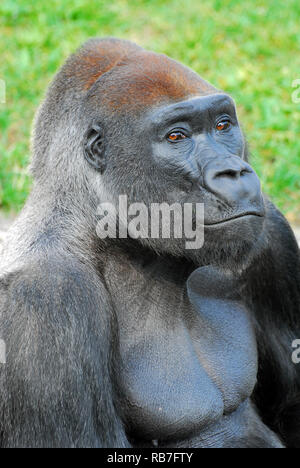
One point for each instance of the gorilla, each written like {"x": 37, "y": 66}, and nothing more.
{"x": 130, "y": 341}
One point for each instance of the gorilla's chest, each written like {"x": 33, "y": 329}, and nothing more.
{"x": 183, "y": 366}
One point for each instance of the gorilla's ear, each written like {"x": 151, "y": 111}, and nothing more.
{"x": 94, "y": 148}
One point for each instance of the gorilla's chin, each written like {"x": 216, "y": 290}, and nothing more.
{"x": 246, "y": 229}
{"x": 233, "y": 245}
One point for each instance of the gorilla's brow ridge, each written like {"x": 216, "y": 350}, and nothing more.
{"x": 190, "y": 108}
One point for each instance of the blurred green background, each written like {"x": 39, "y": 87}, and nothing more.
{"x": 250, "y": 49}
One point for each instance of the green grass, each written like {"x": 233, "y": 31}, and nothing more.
{"x": 251, "y": 50}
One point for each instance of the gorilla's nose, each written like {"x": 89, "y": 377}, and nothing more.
{"x": 233, "y": 181}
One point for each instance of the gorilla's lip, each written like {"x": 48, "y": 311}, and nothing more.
{"x": 234, "y": 218}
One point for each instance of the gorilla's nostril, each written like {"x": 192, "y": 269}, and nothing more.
{"x": 228, "y": 173}
{"x": 245, "y": 171}
{"x": 232, "y": 173}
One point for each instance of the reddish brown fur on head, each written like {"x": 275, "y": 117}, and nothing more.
{"x": 128, "y": 76}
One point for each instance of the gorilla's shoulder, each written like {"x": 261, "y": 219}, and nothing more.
{"x": 280, "y": 233}
{"x": 50, "y": 284}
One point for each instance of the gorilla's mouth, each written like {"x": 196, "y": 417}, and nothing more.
{"x": 235, "y": 218}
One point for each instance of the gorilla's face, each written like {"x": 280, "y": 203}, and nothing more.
{"x": 199, "y": 145}
{"x": 188, "y": 152}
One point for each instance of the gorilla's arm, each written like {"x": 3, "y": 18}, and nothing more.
{"x": 273, "y": 284}
{"x": 55, "y": 318}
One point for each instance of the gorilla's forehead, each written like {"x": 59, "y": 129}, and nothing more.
{"x": 124, "y": 76}
{"x": 148, "y": 78}
{"x": 191, "y": 107}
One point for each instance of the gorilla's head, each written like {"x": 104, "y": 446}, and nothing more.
{"x": 120, "y": 120}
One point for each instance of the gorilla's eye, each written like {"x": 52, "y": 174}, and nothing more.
{"x": 223, "y": 125}
{"x": 176, "y": 136}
